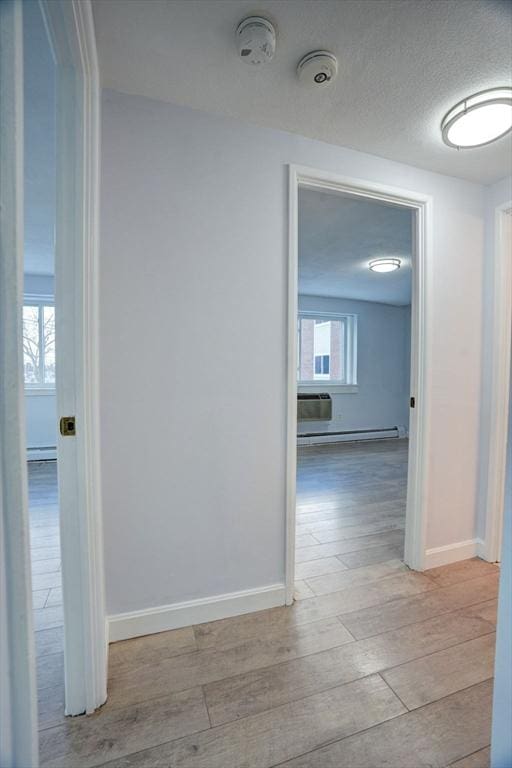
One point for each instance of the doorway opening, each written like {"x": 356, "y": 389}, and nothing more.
{"x": 70, "y": 29}
{"x": 60, "y": 348}
{"x": 39, "y": 352}
{"x": 356, "y": 361}
{"x": 353, "y": 372}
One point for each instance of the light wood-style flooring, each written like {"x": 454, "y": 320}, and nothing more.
{"x": 46, "y": 587}
{"x": 372, "y": 666}
{"x": 45, "y": 544}
{"x": 350, "y": 513}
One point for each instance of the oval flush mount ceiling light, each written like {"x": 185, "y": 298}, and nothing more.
{"x": 384, "y": 265}
{"x": 478, "y": 120}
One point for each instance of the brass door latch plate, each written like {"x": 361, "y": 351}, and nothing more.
{"x": 67, "y": 426}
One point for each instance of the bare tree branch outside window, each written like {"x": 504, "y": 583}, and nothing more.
{"x": 39, "y": 345}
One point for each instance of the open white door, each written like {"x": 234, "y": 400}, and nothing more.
{"x": 18, "y": 699}
{"x": 71, "y": 32}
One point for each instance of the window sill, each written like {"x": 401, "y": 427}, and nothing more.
{"x": 337, "y": 389}
{"x": 37, "y": 392}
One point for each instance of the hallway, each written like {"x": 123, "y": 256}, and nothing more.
{"x": 377, "y": 665}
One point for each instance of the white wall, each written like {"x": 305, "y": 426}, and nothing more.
{"x": 39, "y": 161}
{"x": 41, "y": 420}
{"x": 38, "y": 285}
{"x": 496, "y": 195}
{"x": 40, "y": 406}
{"x": 383, "y": 367}
{"x": 501, "y": 752}
{"x": 194, "y": 230}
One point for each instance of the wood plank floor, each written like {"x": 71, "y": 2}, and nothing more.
{"x": 372, "y": 666}
{"x": 350, "y": 514}
{"x": 46, "y": 587}
{"x": 45, "y": 544}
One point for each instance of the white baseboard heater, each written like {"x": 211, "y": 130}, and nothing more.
{"x": 314, "y": 438}
{"x": 42, "y": 453}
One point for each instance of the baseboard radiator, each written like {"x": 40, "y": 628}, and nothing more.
{"x": 42, "y": 453}
{"x": 314, "y": 438}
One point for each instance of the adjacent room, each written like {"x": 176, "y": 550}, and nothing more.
{"x": 353, "y": 392}
{"x": 38, "y": 338}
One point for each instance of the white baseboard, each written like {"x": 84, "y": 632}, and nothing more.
{"x": 480, "y": 548}
{"x": 41, "y": 454}
{"x": 122, "y": 626}
{"x": 452, "y": 553}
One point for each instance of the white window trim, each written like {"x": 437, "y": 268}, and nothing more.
{"x": 320, "y": 385}
{"x": 38, "y": 300}
{"x": 328, "y": 386}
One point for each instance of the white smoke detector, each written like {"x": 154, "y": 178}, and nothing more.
{"x": 256, "y": 40}
{"x": 318, "y": 68}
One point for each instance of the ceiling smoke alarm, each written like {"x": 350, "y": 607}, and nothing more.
{"x": 256, "y": 40}
{"x": 318, "y": 68}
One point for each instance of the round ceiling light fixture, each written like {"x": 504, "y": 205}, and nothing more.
{"x": 384, "y": 265}
{"x": 256, "y": 40}
{"x": 478, "y": 120}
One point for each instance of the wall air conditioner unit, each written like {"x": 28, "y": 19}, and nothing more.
{"x": 314, "y": 407}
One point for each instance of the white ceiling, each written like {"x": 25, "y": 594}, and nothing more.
{"x": 402, "y": 65}
{"x": 339, "y": 235}
{"x": 39, "y": 161}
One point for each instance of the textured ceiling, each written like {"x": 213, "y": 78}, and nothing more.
{"x": 339, "y": 235}
{"x": 39, "y": 161}
{"x": 402, "y": 65}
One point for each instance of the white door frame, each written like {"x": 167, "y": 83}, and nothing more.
{"x": 18, "y": 696}
{"x": 71, "y": 31}
{"x": 499, "y": 369}
{"x": 416, "y": 514}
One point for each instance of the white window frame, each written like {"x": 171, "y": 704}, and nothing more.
{"x": 349, "y": 383}
{"x": 31, "y": 300}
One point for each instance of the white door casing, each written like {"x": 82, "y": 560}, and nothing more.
{"x": 71, "y": 31}
{"x": 18, "y": 699}
{"x": 415, "y": 532}
{"x": 499, "y": 372}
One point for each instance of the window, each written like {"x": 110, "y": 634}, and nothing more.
{"x": 39, "y": 344}
{"x": 322, "y": 363}
{"x": 327, "y": 349}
